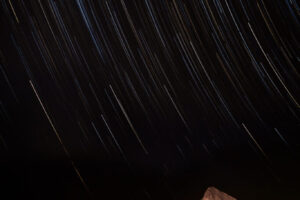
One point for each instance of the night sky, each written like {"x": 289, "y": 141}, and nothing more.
{"x": 149, "y": 99}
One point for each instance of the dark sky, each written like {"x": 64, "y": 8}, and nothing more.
{"x": 150, "y": 99}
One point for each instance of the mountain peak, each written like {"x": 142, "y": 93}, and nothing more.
{"x": 213, "y": 193}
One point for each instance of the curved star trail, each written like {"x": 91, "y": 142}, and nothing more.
{"x": 168, "y": 88}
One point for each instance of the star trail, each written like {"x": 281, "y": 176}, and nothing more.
{"x": 150, "y": 99}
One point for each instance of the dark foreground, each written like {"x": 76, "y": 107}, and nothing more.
{"x": 246, "y": 178}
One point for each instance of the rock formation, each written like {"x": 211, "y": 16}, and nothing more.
{"x": 213, "y": 193}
